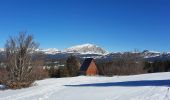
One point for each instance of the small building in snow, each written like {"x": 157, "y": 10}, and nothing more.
{"x": 89, "y": 67}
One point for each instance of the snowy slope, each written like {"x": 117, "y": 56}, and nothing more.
{"x": 86, "y": 49}
{"x": 137, "y": 87}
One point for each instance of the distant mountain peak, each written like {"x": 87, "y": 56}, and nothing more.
{"x": 86, "y": 49}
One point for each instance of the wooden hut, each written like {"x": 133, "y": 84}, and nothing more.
{"x": 88, "y": 67}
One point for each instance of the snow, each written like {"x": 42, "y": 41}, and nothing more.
{"x": 83, "y": 45}
{"x": 135, "y": 87}
{"x": 50, "y": 51}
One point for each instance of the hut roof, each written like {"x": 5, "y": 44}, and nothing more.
{"x": 86, "y": 64}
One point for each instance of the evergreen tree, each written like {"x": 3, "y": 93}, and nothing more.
{"x": 63, "y": 71}
{"x": 73, "y": 66}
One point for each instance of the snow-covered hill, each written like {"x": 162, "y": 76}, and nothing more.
{"x": 136, "y": 87}
{"x": 86, "y": 49}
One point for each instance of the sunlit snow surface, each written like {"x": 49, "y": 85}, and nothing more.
{"x": 136, "y": 87}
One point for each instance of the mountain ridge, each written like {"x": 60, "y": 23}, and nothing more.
{"x": 93, "y": 51}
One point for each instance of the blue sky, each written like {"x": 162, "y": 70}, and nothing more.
{"x": 116, "y": 25}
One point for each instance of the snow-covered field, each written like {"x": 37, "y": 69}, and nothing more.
{"x": 137, "y": 87}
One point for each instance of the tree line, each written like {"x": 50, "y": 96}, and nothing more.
{"x": 125, "y": 64}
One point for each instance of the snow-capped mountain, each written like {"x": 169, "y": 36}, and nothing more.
{"x": 93, "y": 51}
{"x": 86, "y": 49}
{"x": 49, "y": 51}
{"x": 79, "y": 49}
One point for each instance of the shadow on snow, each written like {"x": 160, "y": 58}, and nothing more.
{"x": 127, "y": 83}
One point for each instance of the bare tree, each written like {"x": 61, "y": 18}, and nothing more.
{"x": 19, "y": 57}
